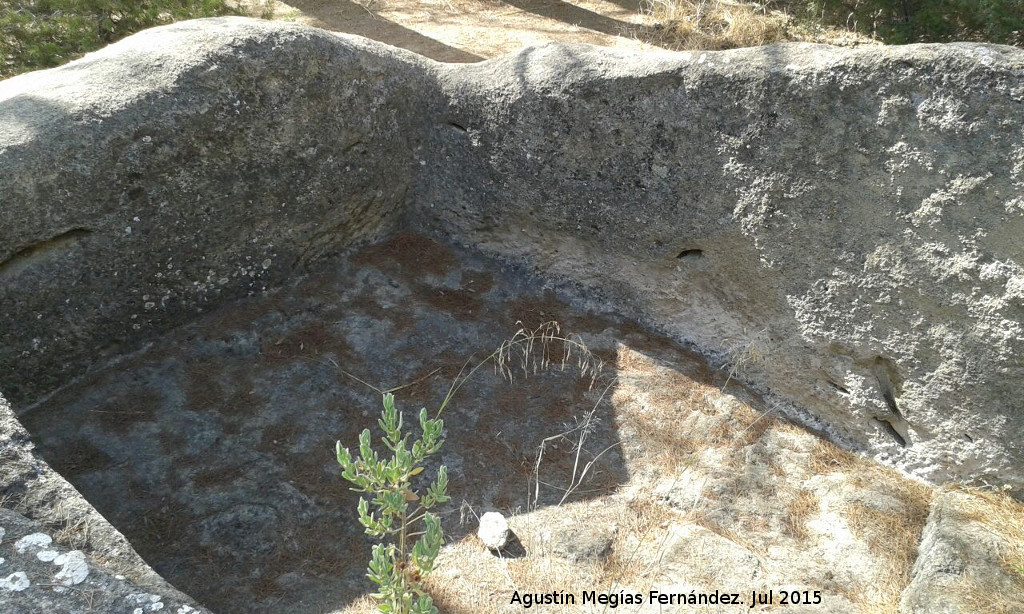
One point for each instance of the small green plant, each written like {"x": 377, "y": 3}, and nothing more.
{"x": 398, "y": 563}
{"x": 38, "y": 34}
{"x": 915, "y": 21}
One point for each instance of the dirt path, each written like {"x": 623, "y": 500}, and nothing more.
{"x": 474, "y": 30}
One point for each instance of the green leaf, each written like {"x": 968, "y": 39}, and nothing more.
{"x": 424, "y": 605}
{"x": 427, "y": 547}
{"x": 438, "y": 491}
{"x": 373, "y": 526}
{"x": 344, "y": 456}
{"x": 391, "y": 421}
{"x": 364, "y": 445}
{"x": 381, "y": 567}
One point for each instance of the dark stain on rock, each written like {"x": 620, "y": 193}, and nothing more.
{"x": 310, "y": 341}
{"x": 409, "y": 254}
{"x": 246, "y": 406}
{"x": 80, "y": 456}
{"x": 477, "y": 281}
{"x": 461, "y": 304}
{"x": 121, "y": 414}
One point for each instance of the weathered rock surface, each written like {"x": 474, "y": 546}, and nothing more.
{"x": 962, "y": 562}
{"x": 184, "y": 167}
{"x": 30, "y": 487}
{"x": 38, "y": 576}
{"x": 842, "y": 227}
{"x": 843, "y": 223}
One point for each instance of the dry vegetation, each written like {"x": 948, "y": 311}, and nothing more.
{"x": 893, "y": 539}
{"x": 37, "y": 34}
{"x": 799, "y": 510}
{"x": 891, "y": 534}
{"x": 660, "y": 395}
{"x": 715, "y": 435}
{"x": 1006, "y": 517}
{"x": 1003, "y": 517}
{"x": 729, "y": 24}
{"x": 716, "y": 24}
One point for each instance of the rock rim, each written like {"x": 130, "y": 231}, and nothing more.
{"x": 840, "y": 228}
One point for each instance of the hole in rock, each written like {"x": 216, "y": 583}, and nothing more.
{"x": 889, "y": 382}
{"x": 838, "y": 387}
{"x": 691, "y": 254}
{"x": 212, "y": 450}
{"x": 891, "y": 431}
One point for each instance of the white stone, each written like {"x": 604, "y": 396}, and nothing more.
{"x": 493, "y": 530}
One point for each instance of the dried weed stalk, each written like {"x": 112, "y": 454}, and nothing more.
{"x": 533, "y": 351}
{"x": 748, "y": 353}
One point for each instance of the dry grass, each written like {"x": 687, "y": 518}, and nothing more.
{"x": 892, "y": 535}
{"x": 651, "y": 395}
{"x": 673, "y": 449}
{"x": 363, "y": 604}
{"x": 739, "y": 534}
{"x": 826, "y": 457}
{"x": 262, "y": 9}
{"x": 716, "y": 24}
{"x": 1005, "y": 517}
{"x": 893, "y": 538}
{"x": 631, "y": 562}
{"x": 533, "y": 350}
{"x": 471, "y": 580}
{"x": 730, "y": 24}
{"x": 798, "y": 511}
